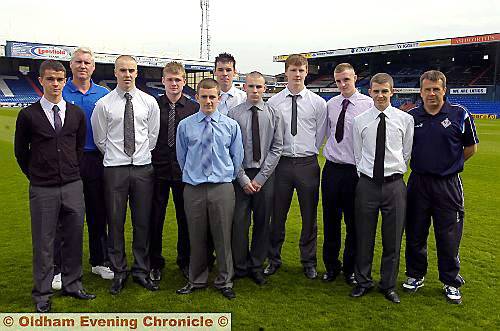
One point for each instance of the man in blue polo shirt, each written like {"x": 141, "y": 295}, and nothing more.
{"x": 445, "y": 137}
{"x": 80, "y": 90}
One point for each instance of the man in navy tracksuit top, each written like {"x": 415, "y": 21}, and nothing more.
{"x": 445, "y": 137}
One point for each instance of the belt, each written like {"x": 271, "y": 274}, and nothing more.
{"x": 386, "y": 179}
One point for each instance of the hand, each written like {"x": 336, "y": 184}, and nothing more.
{"x": 249, "y": 189}
{"x": 256, "y": 185}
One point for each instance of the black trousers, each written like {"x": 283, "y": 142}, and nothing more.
{"x": 338, "y": 185}
{"x": 390, "y": 199}
{"x": 50, "y": 206}
{"x": 133, "y": 184}
{"x": 301, "y": 174}
{"x": 439, "y": 198}
{"x": 260, "y": 205}
{"x": 91, "y": 172}
{"x": 160, "y": 201}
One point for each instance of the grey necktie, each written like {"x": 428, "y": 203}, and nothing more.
{"x": 171, "y": 125}
{"x": 57, "y": 119}
{"x": 128, "y": 127}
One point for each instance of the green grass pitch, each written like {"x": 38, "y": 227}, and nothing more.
{"x": 289, "y": 300}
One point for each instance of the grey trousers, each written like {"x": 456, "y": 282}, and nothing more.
{"x": 48, "y": 207}
{"x": 133, "y": 183}
{"x": 259, "y": 204}
{"x": 390, "y": 199}
{"x": 210, "y": 207}
{"x": 302, "y": 174}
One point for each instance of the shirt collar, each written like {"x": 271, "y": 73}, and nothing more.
{"x": 181, "y": 101}
{"x": 353, "y": 98}
{"x": 444, "y": 109}
{"x": 259, "y": 105}
{"x": 47, "y": 105}
{"x": 301, "y": 93}
{"x": 121, "y": 92}
{"x": 215, "y": 116}
{"x": 230, "y": 92}
{"x": 388, "y": 112}
{"x": 72, "y": 87}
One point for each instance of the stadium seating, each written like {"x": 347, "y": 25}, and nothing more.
{"x": 24, "y": 89}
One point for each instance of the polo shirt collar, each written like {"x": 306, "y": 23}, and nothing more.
{"x": 72, "y": 87}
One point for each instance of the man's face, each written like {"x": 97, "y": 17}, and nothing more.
{"x": 381, "y": 95}
{"x": 52, "y": 83}
{"x": 208, "y": 100}
{"x": 255, "y": 88}
{"x": 82, "y": 66}
{"x": 126, "y": 73}
{"x": 346, "y": 81}
{"x": 224, "y": 73}
{"x": 174, "y": 83}
{"x": 296, "y": 75}
{"x": 432, "y": 93}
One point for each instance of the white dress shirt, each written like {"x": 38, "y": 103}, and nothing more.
{"x": 343, "y": 152}
{"x": 107, "y": 126}
{"x": 398, "y": 143}
{"x": 231, "y": 99}
{"x": 311, "y": 122}
{"x": 47, "y": 109}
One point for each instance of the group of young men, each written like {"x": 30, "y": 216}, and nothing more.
{"x": 232, "y": 158}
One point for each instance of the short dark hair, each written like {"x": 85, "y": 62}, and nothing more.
{"x": 434, "y": 76}
{"x": 382, "y": 78}
{"x": 51, "y": 65}
{"x": 208, "y": 83}
{"x": 225, "y": 58}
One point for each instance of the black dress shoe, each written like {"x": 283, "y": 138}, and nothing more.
{"x": 310, "y": 272}
{"x": 392, "y": 296}
{"x": 188, "y": 289}
{"x": 271, "y": 269}
{"x": 228, "y": 292}
{"x": 258, "y": 277}
{"x": 329, "y": 276}
{"x": 43, "y": 307}
{"x": 359, "y": 291}
{"x": 117, "y": 286}
{"x": 80, "y": 294}
{"x": 146, "y": 283}
{"x": 155, "y": 275}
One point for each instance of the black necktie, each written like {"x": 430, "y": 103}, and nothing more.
{"x": 128, "y": 127}
{"x": 57, "y": 119}
{"x": 255, "y": 134}
{"x": 294, "y": 115}
{"x": 339, "y": 129}
{"x": 171, "y": 125}
{"x": 378, "y": 164}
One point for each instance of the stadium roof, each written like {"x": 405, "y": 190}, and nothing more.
{"x": 479, "y": 39}
{"x": 28, "y": 50}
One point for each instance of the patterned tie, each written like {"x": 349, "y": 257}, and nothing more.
{"x": 206, "y": 147}
{"x": 57, "y": 119}
{"x": 339, "y": 129}
{"x": 255, "y": 134}
{"x": 293, "y": 130}
{"x": 378, "y": 164}
{"x": 224, "y": 109}
{"x": 171, "y": 125}
{"x": 128, "y": 127}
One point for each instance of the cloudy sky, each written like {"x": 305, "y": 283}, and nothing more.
{"x": 253, "y": 31}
